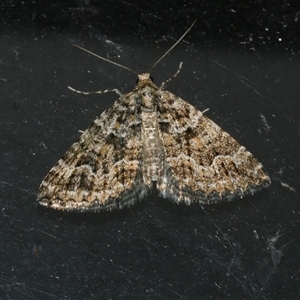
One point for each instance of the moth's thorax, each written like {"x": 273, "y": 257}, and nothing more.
{"x": 147, "y": 91}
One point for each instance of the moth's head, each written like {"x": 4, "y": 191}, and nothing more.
{"x": 144, "y": 78}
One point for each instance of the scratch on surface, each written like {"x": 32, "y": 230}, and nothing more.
{"x": 288, "y": 186}
{"x": 51, "y": 235}
{"x": 276, "y": 254}
{"x": 265, "y": 123}
{"x": 10, "y": 184}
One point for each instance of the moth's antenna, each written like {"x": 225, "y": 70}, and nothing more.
{"x": 110, "y": 61}
{"x": 173, "y": 46}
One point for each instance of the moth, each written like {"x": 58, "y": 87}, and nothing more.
{"x": 150, "y": 138}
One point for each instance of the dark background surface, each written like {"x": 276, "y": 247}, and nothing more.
{"x": 241, "y": 60}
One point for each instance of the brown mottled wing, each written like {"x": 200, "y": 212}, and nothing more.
{"x": 102, "y": 170}
{"x": 203, "y": 163}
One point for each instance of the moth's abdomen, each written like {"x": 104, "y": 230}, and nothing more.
{"x": 153, "y": 152}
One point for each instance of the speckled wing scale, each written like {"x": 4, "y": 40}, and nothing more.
{"x": 204, "y": 163}
{"x": 150, "y": 137}
{"x": 102, "y": 169}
